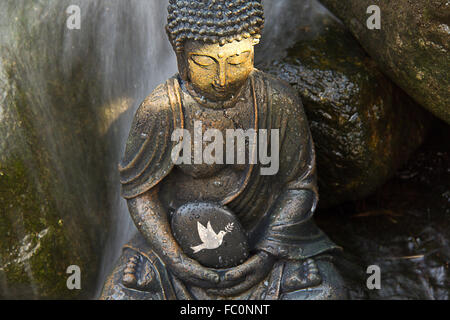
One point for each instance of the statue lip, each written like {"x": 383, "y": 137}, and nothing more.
{"x": 219, "y": 89}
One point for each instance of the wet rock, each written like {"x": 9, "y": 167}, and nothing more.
{"x": 211, "y": 235}
{"x": 412, "y": 47}
{"x": 67, "y": 99}
{"x": 53, "y": 157}
{"x": 364, "y": 127}
{"x": 403, "y": 228}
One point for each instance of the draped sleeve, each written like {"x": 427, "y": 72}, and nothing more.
{"x": 148, "y": 153}
{"x": 289, "y": 230}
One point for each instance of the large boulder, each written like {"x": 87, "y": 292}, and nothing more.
{"x": 364, "y": 127}
{"x": 412, "y": 47}
{"x": 53, "y": 208}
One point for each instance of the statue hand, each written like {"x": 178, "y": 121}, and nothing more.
{"x": 191, "y": 272}
{"x": 245, "y": 276}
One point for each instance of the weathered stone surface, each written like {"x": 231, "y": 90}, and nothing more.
{"x": 403, "y": 228}
{"x": 211, "y": 235}
{"x": 364, "y": 127}
{"x": 67, "y": 99}
{"x": 412, "y": 47}
{"x": 54, "y": 157}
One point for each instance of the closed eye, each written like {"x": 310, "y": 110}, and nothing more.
{"x": 239, "y": 58}
{"x": 203, "y": 61}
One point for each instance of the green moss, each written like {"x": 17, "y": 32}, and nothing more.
{"x": 52, "y": 162}
{"x": 34, "y": 249}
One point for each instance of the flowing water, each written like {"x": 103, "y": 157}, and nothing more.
{"x": 134, "y": 56}
{"x": 79, "y": 91}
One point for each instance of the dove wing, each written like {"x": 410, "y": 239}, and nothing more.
{"x": 210, "y": 229}
{"x": 204, "y": 233}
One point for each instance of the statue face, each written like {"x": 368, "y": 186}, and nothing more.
{"x": 218, "y": 72}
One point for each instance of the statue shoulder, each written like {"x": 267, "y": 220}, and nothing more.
{"x": 157, "y": 103}
{"x": 282, "y": 94}
{"x": 155, "y": 117}
{"x": 279, "y": 89}
{"x": 297, "y": 155}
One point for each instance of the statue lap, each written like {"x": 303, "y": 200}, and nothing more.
{"x": 141, "y": 275}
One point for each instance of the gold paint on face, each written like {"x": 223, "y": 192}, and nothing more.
{"x": 218, "y": 72}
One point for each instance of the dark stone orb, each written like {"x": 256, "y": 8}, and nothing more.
{"x": 211, "y": 235}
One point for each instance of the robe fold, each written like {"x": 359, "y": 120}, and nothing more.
{"x": 275, "y": 210}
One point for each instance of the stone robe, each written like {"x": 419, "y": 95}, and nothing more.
{"x": 261, "y": 203}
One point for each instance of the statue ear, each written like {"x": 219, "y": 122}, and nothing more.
{"x": 182, "y": 65}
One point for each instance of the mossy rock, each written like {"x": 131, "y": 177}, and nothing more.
{"x": 364, "y": 127}
{"x": 53, "y": 201}
{"x": 412, "y": 47}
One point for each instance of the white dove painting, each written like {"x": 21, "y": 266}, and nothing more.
{"x": 211, "y": 240}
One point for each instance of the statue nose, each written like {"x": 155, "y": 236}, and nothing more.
{"x": 218, "y": 83}
{"x": 221, "y": 79}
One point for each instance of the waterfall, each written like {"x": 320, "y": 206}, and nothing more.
{"x": 76, "y": 91}
{"x": 134, "y": 56}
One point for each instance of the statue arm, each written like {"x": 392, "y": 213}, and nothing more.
{"x": 152, "y": 221}
{"x": 289, "y": 231}
{"x": 147, "y": 161}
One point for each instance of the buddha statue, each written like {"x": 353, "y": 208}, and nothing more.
{"x": 277, "y": 252}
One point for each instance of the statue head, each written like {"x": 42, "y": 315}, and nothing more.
{"x": 214, "y": 41}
